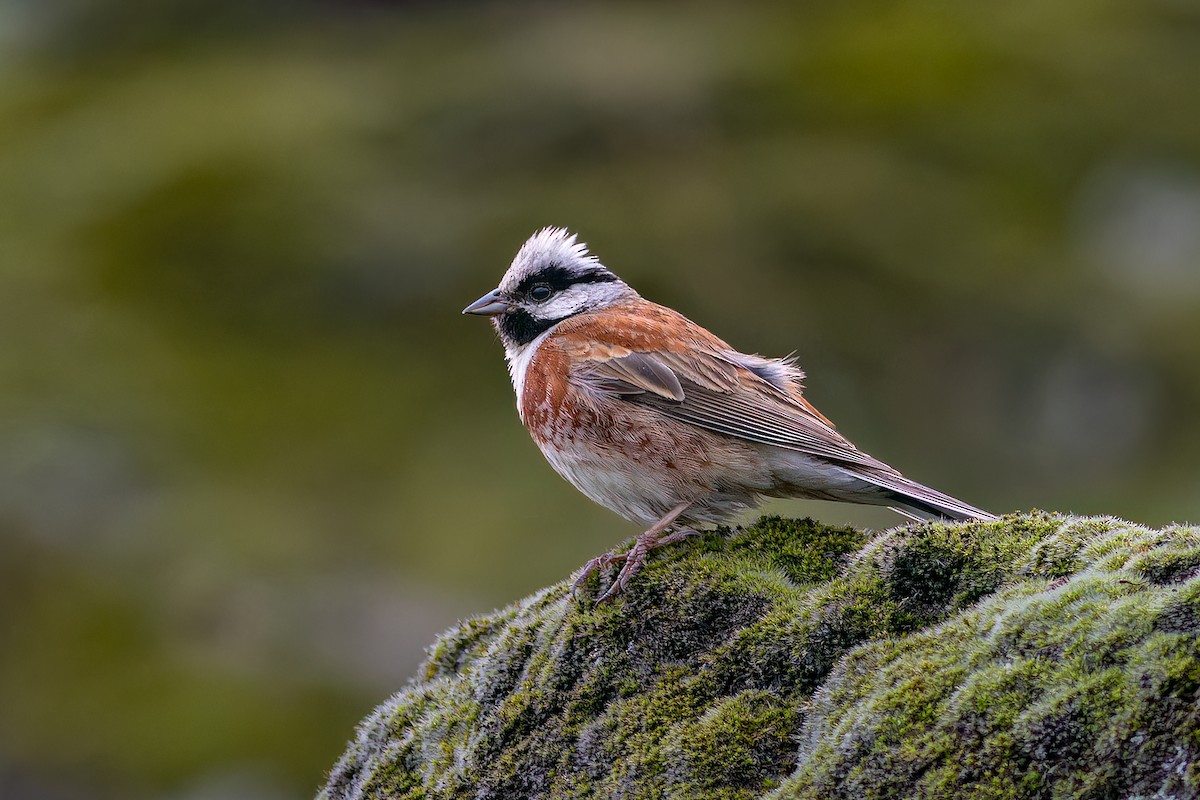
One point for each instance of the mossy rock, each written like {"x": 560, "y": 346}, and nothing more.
{"x": 1036, "y": 656}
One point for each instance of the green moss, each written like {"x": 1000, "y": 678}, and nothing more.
{"x": 1035, "y": 656}
{"x": 734, "y": 749}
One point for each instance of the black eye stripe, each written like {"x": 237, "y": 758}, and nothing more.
{"x": 559, "y": 278}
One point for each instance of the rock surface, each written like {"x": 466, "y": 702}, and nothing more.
{"x": 1036, "y": 656}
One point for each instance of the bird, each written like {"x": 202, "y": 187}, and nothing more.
{"x": 657, "y": 419}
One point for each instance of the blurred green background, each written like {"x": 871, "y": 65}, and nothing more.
{"x": 252, "y": 458}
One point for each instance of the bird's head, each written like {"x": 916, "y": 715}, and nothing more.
{"x": 553, "y": 277}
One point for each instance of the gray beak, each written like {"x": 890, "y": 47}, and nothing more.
{"x": 489, "y": 305}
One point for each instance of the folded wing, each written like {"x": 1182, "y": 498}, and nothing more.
{"x": 715, "y": 391}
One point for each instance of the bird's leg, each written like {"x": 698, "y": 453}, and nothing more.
{"x": 636, "y": 556}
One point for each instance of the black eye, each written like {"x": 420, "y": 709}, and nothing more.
{"x": 540, "y": 292}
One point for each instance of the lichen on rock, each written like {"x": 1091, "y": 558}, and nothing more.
{"x": 1035, "y": 656}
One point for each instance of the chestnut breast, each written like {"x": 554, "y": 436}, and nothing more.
{"x": 562, "y": 413}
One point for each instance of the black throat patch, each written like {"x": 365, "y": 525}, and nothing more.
{"x": 521, "y": 327}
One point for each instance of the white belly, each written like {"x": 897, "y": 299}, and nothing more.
{"x": 635, "y": 495}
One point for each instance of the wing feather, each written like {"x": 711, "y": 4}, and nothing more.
{"x": 638, "y": 373}
{"x": 717, "y": 392}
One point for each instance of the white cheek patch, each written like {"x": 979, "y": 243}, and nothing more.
{"x": 564, "y": 304}
{"x": 582, "y": 297}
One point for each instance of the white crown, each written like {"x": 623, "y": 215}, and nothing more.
{"x": 552, "y": 245}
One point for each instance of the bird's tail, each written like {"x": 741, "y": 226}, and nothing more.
{"x": 919, "y": 502}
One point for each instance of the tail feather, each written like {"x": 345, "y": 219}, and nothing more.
{"x": 911, "y": 515}
{"x": 914, "y": 500}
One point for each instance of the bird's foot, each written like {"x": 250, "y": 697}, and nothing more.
{"x": 676, "y": 536}
{"x": 636, "y": 556}
{"x": 633, "y": 562}
{"x": 597, "y": 564}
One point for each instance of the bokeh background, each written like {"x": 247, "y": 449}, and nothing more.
{"x": 252, "y": 458}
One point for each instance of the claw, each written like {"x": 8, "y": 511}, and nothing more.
{"x": 633, "y": 562}
{"x": 677, "y": 536}
{"x": 596, "y": 564}
{"x": 636, "y": 556}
